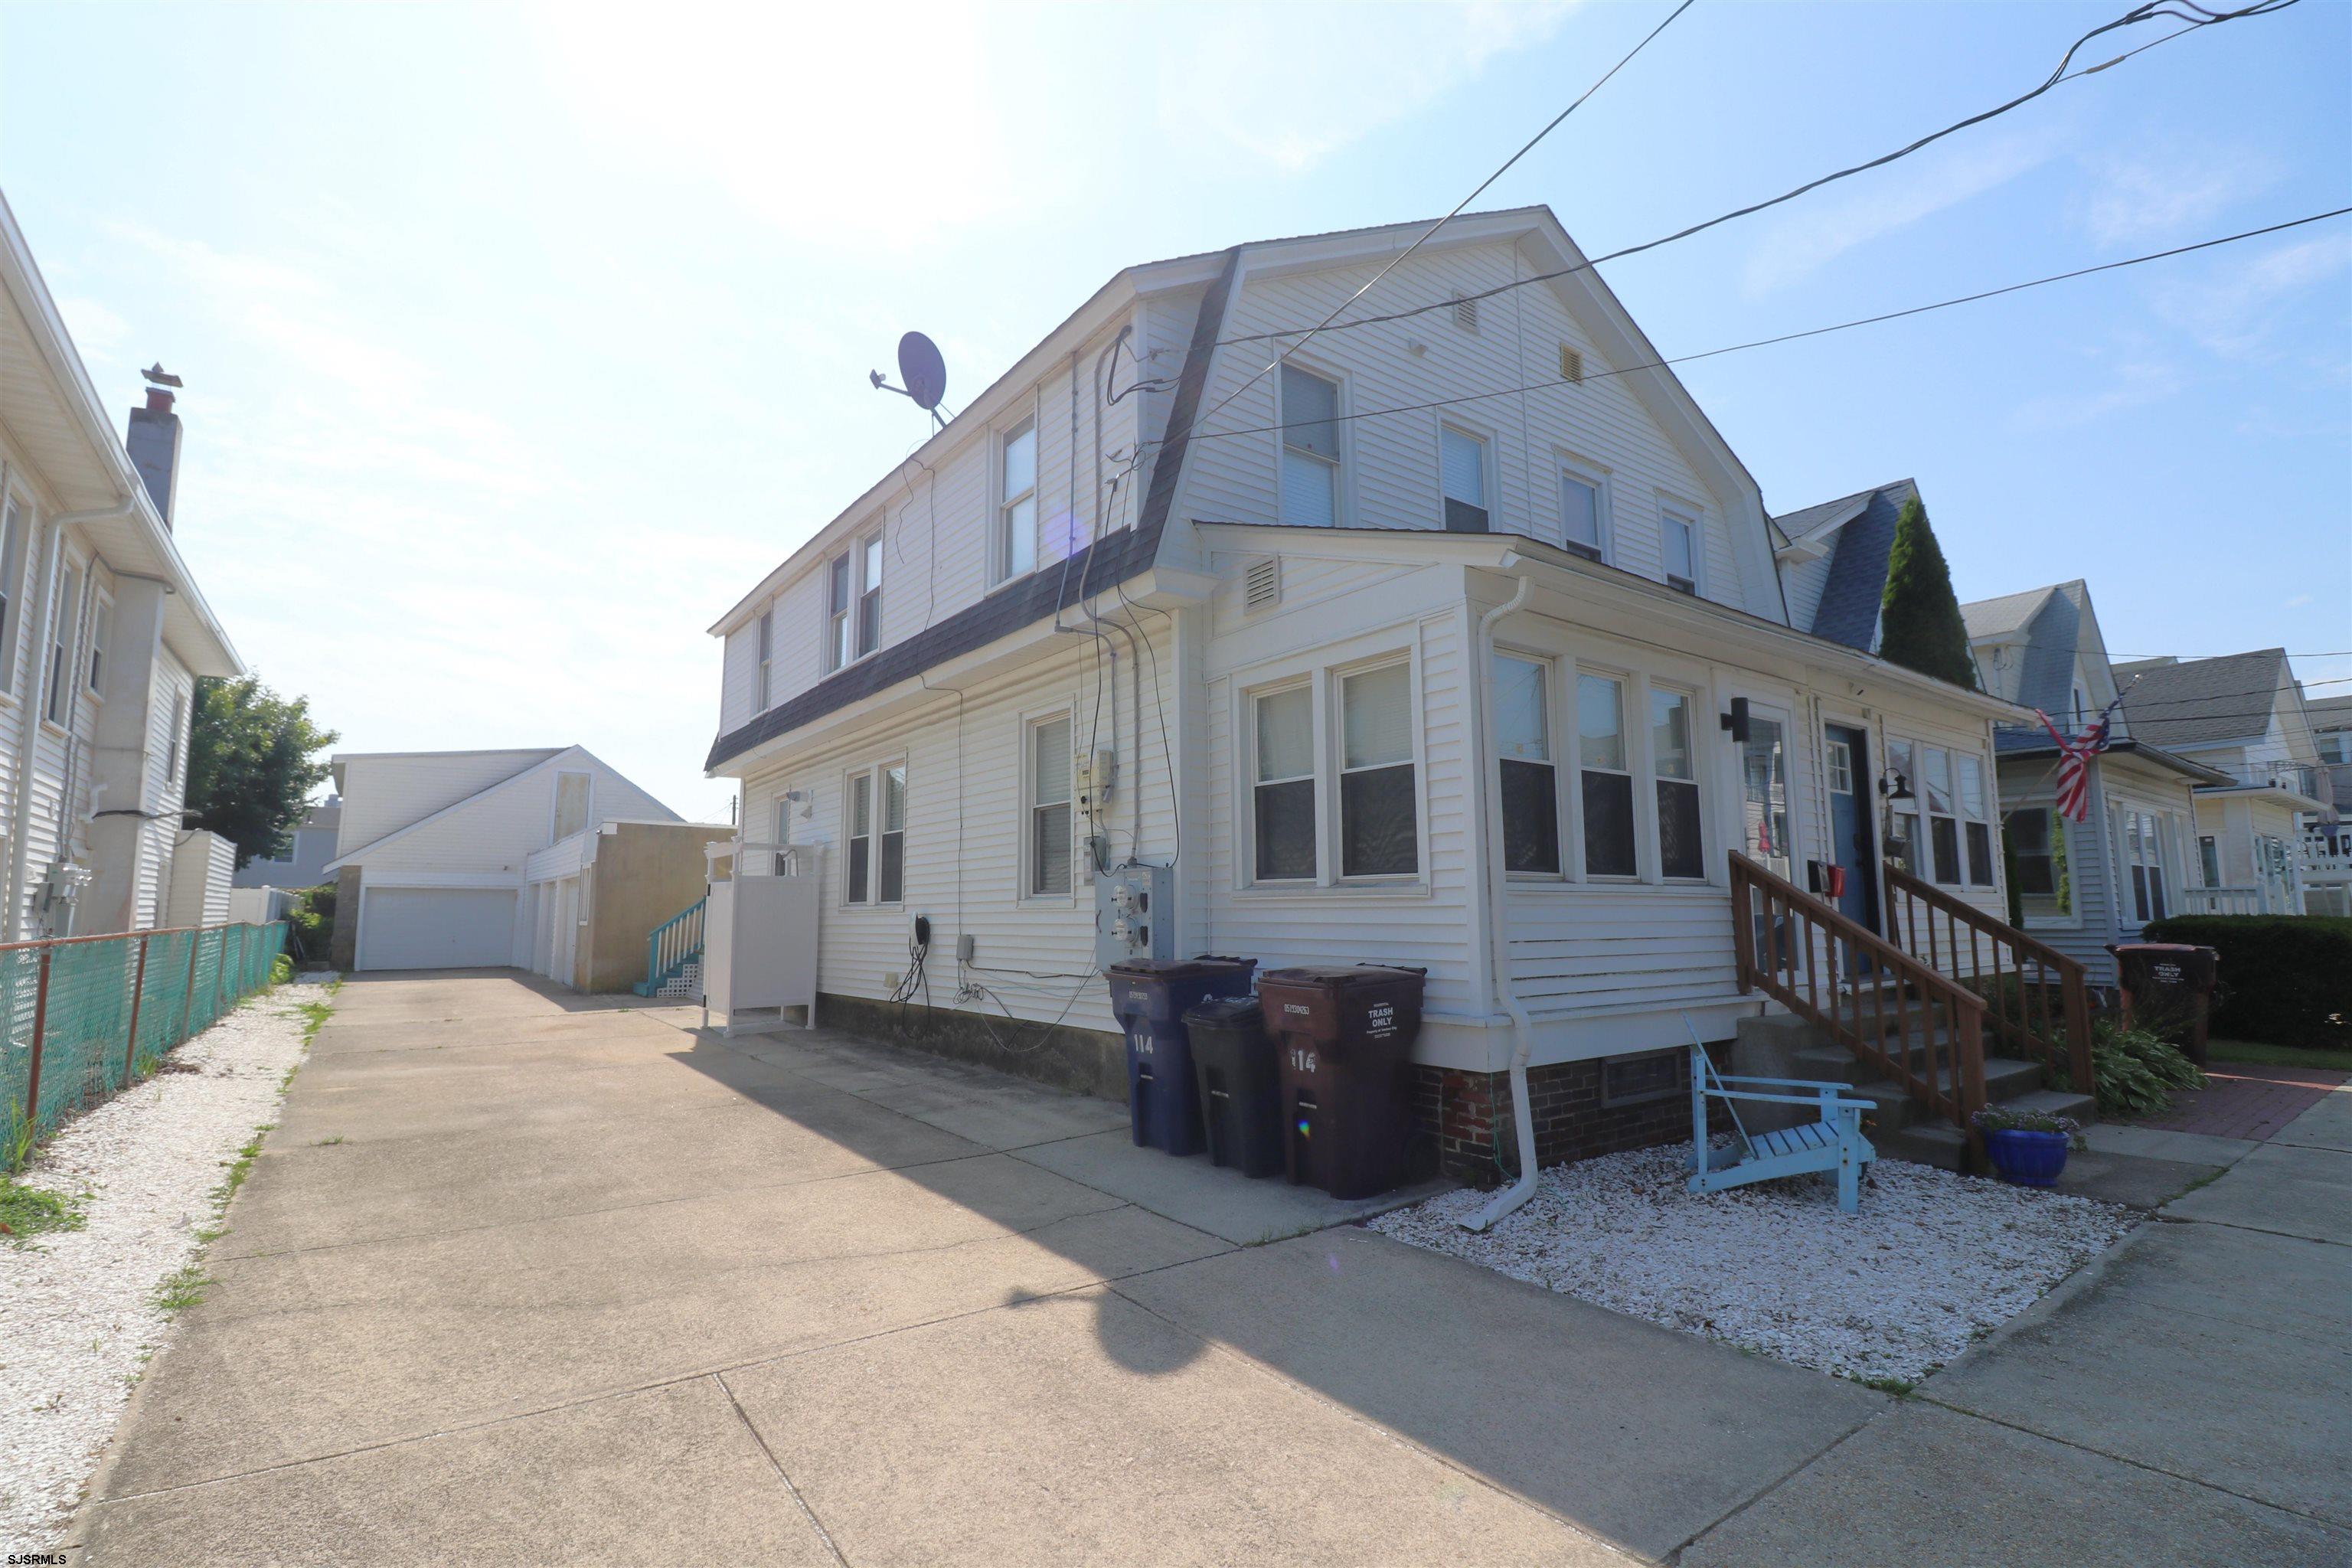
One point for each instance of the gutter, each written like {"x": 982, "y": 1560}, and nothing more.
{"x": 1523, "y": 1033}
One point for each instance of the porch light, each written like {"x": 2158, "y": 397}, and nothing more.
{"x": 1894, "y": 785}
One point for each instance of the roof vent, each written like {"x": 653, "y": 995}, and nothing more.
{"x": 1571, "y": 364}
{"x": 1262, "y": 583}
{"x": 1466, "y": 312}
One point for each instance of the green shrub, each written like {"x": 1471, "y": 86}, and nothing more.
{"x": 2286, "y": 980}
{"x": 2136, "y": 1071}
{"x": 310, "y": 925}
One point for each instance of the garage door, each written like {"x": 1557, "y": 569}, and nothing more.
{"x": 437, "y": 928}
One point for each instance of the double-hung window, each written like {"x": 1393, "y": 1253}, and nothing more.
{"x": 1379, "y": 823}
{"x": 869, "y": 597}
{"x": 1310, "y": 448}
{"x": 1580, "y": 513}
{"x": 762, "y": 673}
{"x": 861, "y": 837}
{"x": 12, "y": 583}
{"x": 1462, "y": 477}
{"x": 1607, "y": 781}
{"x": 1049, "y": 807}
{"x": 2143, "y": 857}
{"x": 1679, "y": 541}
{"x": 1976, "y": 820}
{"x": 101, "y": 622}
{"x": 1281, "y": 804}
{"x": 1681, "y": 852}
{"x": 876, "y": 808}
{"x": 1016, "y": 501}
{"x": 64, "y": 623}
{"x": 1943, "y": 826}
{"x": 839, "y": 633}
{"x": 2209, "y": 859}
{"x": 2037, "y": 843}
{"x": 1530, "y": 774}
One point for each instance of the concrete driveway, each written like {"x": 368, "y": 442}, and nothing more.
{"x": 539, "y": 1281}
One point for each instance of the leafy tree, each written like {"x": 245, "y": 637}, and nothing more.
{"x": 251, "y": 764}
{"x": 1919, "y": 616}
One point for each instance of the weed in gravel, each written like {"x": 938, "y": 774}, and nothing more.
{"x": 241, "y": 1167}
{"x": 327, "y": 1142}
{"x": 314, "y": 1018}
{"x": 27, "y": 1212}
{"x": 1901, "y": 1387}
{"x": 17, "y": 1146}
{"x": 181, "y": 1290}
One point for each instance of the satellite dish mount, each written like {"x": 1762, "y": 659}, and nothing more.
{"x": 923, "y": 371}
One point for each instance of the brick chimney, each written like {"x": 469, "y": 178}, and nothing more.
{"x": 154, "y": 441}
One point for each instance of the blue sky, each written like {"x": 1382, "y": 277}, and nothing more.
{"x": 519, "y": 342}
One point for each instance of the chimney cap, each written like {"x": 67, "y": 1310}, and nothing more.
{"x": 158, "y": 376}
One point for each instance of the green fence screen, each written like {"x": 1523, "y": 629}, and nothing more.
{"x": 72, "y": 1006}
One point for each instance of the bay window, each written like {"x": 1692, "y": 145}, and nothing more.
{"x": 1943, "y": 826}
{"x": 1606, "y": 780}
{"x": 1283, "y": 795}
{"x": 1049, "y": 809}
{"x": 1379, "y": 823}
{"x": 1310, "y": 448}
{"x": 1976, "y": 821}
{"x": 1672, "y": 761}
{"x": 1530, "y": 778}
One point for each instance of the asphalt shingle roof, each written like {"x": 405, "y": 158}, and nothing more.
{"x": 2201, "y": 700}
{"x": 1848, "y": 612}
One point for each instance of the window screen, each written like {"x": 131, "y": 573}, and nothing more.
{"x": 1284, "y": 793}
{"x": 1530, "y": 778}
{"x": 1377, "y": 828}
{"x": 1310, "y": 448}
{"x": 1462, "y": 476}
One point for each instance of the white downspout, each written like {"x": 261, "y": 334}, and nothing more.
{"x": 1490, "y": 762}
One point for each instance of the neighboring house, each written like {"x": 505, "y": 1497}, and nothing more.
{"x": 2081, "y": 886}
{"x": 103, "y": 633}
{"x": 2328, "y": 841}
{"x": 1145, "y": 615}
{"x": 305, "y": 862}
{"x": 2243, "y": 715}
{"x": 430, "y": 862}
{"x": 590, "y": 901}
{"x": 1834, "y": 560}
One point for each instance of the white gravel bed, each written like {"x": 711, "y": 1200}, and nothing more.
{"x": 1933, "y": 1262}
{"x": 77, "y": 1315}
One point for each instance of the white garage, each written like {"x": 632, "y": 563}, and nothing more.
{"x": 437, "y": 928}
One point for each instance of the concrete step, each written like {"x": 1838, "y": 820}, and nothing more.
{"x": 2005, "y": 1077}
{"x": 1940, "y": 1145}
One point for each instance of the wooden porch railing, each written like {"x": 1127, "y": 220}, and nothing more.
{"x": 1959, "y": 939}
{"x": 671, "y": 946}
{"x": 1901, "y": 1016}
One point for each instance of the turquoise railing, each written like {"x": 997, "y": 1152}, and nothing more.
{"x": 671, "y": 946}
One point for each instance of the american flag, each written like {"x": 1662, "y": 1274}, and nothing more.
{"x": 2075, "y": 759}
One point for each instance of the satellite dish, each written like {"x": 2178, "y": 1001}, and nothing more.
{"x": 922, "y": 369}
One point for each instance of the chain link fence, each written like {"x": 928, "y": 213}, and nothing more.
{"x": 88, "y": 1017}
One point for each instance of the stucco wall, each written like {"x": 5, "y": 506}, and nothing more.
{"x": 645, "y": 872}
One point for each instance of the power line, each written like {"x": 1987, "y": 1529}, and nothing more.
{"x": 1399, "y": 260}
{"x": 1768, "y": 343}
{"x": 2201, "y": 658}
{"x": 2131, "y": 18}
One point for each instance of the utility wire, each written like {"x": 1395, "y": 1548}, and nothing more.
{"x": 1399, "y": 260}
{"x": 1781, "y": 338}
{"x": 2130, "y": 18}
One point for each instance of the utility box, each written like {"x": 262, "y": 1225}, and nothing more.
{"x": 1135, "y": 914}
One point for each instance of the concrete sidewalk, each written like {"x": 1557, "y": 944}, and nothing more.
{"x": 547, "y": 1283}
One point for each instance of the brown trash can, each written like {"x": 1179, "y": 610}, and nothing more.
{"x": 1344, "y": 1039}
{"x": 2168, "y": 990}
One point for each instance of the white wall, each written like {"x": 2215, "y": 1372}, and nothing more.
{"x": 382, "y": 794}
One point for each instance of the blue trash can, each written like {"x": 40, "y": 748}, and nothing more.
{"x": 1150, "y": 997}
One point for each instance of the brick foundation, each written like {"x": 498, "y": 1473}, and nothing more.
{"x": 1468, "y": 1115}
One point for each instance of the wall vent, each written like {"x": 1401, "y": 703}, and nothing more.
{"x": 1466, "y": 312}
{"x": 1571, "y": 364}
{"x": 1262, "y": 583}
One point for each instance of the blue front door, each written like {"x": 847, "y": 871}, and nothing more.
{"x": 1852, "y": 843}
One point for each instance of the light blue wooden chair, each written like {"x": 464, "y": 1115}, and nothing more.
{"x": 1834, "y": 1142}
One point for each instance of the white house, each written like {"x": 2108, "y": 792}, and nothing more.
{"x": 1146, "y": 605}
{"x": 2327, "y": 840}
{"x": 103, "y": 631}
{"x": 2244, "y": 715}
{"x": 2133, "y": 860}
{"x": 432, "y": 853}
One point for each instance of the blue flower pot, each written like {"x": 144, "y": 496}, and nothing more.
{"x": 2027, "y": 1159}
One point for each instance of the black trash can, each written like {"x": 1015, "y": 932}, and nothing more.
{"x": 1343, "y": 1038}
{"x": 2169, "y": 989}
{"x": 1240, "y": 1090}
{"x": 1150, "y": 997}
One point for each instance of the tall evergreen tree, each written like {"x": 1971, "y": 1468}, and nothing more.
{"x": 251, "y": 765}
{"x": 1919, "y": 616}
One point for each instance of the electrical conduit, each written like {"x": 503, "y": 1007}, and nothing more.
{"x": 1498, "y": 946}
